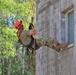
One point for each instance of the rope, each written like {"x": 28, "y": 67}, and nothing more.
{"x": 34, "y": 56}
{"x": 32, "y": 20}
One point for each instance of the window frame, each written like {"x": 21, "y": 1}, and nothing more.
{"x": 66, "y": 26}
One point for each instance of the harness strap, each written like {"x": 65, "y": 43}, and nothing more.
{"x": 29, "y": 46}
{"x": 31, "y": 42}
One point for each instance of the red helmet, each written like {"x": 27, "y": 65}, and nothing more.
{"x": 18, "y": 24}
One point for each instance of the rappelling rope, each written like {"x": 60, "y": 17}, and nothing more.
{"x": 34, "y": 56}
{"x": 32, "y": 20}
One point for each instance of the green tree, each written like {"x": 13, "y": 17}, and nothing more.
{"x": 13, "y": 58}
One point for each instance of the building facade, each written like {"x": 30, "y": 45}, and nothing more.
{"x": 56, "y": 19}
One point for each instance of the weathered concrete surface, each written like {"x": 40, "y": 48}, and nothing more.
{"x": 50, "y": 21}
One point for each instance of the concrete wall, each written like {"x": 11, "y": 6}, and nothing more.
{"x": 50, "y": 20}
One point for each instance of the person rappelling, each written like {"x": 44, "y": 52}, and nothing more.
{"x": 26, "y": 38}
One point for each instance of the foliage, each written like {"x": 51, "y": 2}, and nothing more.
{"x": 8, "y": 37}
{"x": 13, "y": 58}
